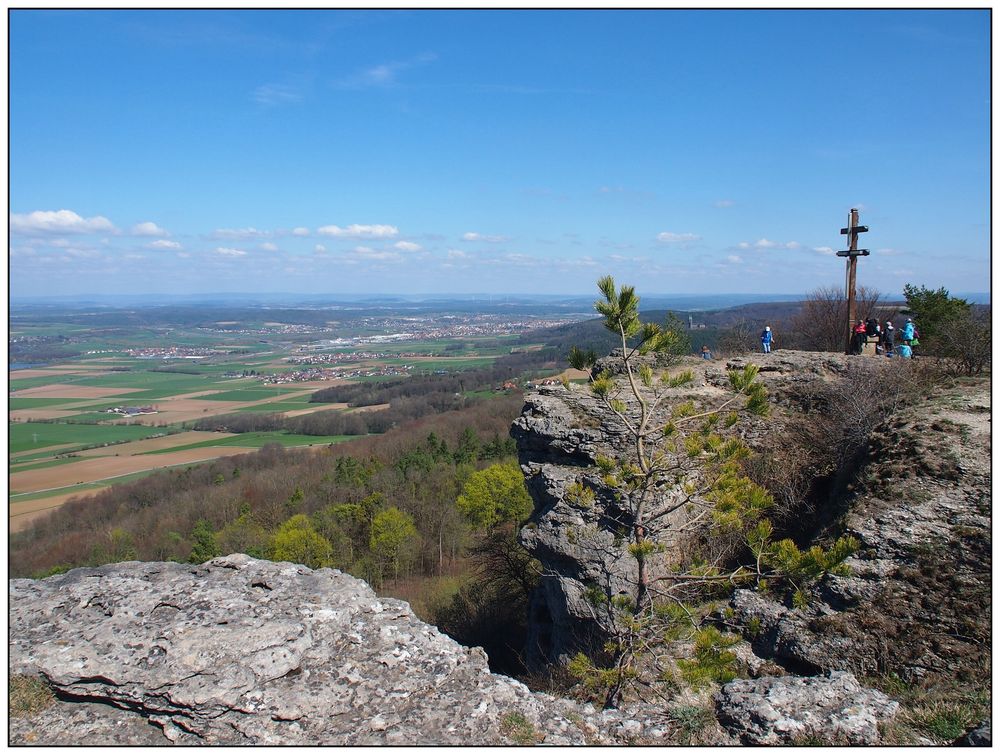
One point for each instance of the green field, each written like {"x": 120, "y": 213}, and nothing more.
{"x": 24, "y": 466}
{"x": 92, "y": 417}
{"x": 259, "y": 440}
{"x": 21, "y": 384}
{"x": 452, "y": 365}
{"x": 278, "y": 406}
{"x": 37, "y": 403}
{"x": 254, "y": 394}
{"x": 25, "y": 436}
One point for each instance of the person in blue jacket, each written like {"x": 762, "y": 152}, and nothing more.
{"x": 909, "y": 332}
{"x": 766, "y": 336}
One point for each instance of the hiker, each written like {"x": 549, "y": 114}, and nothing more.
{"x": 888, "y": 339}
{"x": 858, "y": 339}
{"x": 871, "y": 327}
{"x": 706, "y": 353}
{"x": 766, "y": 336}
{"x": 909, "y": 332}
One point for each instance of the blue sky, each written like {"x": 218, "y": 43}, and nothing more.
{"x": 498, "y": 151}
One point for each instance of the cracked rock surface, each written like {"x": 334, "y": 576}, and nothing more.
{"x": 244, "y": 651}
{"x": 789, "y": 710}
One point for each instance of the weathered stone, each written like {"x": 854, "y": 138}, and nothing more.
{"x": 243, "y": 651}
{"x": 917, "y": 600}
{"x": 981, "y": 736}
{"x": 833, "y": 709}
{"x": 559, "y": 436}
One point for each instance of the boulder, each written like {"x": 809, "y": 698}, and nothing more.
{"x": 830, "y": 709}
{"x": 241, "y": 651}
{"x": 981, "y": 736}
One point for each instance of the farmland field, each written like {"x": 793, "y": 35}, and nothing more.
{"x": 164, "y": 370}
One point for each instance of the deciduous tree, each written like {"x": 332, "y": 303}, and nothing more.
{"x": 297, "y": 541}
{"x": 495, "y": 495}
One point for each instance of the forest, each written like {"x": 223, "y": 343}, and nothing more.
{"x": 408, "y": 511}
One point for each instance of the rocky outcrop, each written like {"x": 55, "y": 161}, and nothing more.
{"x": 830, "y": 709}
{"x": 559, "y": 435}
{"x": 981, "y": 736}
{"x": 243, "y": 651}
{"x": 917, "y": 497}
{"x": 917, "y": 600}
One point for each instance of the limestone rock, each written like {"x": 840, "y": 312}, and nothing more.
{"x": 832, "y": 709}
{"x": 917, "y": 600}
{"x": 559, "y": 435}
{"x": 244, "y": 651}
{"x": 981, "y": 736}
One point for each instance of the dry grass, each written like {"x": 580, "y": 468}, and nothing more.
{"x": 27, "y": 695}
{"x": 940, "y": 713}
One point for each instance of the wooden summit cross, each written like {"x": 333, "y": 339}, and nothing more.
{"x": 852, "y": 253}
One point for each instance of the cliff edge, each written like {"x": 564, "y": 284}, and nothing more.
{"x": 241, "y": 651}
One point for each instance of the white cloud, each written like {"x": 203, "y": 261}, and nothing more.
{"x": 765, "y": 243}
{"x": 275, "y": 94}
{"x": 163, "y": 244}
{"x": 238, "y": 233}
{"x": 472, "y": 236}
{"x": 59, "y": 221}
{"x": 722, "y": 203}
{"x": 300, "y": 231}
{"x": 585, "y": 261}
{"x": 91, "y": 253}
{"x": 826, "y": 250}
{"x": 183, "y": 255}
{"x": 359, "y": 231}
{"x": 631, "y": 260}
{"x": 383, "y": 74}
{"x": 320, "y": 249}
{"x": 227, "y": 252}
{"x": 522, "y": 260}
{"x": 889, "y": 252}
{"x": 267, "y": 246}
{"x": 735, "y": 259}
{"x": 372, "y": 254}
{"x": 668, "y": 237}
{"x": 457, "y": 254}
{"x": 148, "y": 229}
{"x": 407, "y": 246}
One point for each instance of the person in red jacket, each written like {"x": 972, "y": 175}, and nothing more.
{"x": 858, "y": 339}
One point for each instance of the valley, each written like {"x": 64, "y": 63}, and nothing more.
{"x": 108, "y": 395}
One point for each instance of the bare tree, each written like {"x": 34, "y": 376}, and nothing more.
{"x": 740, "y": 338}
{"x": 822, "y": 322}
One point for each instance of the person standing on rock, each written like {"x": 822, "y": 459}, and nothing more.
{"x": 706, "y": 353}
{"x": 766, "y": 337}
{"x": 888, "y": 339}
{"x": 909, "y": 332}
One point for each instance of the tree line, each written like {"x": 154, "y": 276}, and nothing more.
{"x": 408, "y": 399}
{"x": 361, "y": 497}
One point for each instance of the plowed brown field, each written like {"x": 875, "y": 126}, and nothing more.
{"x": 154, "y": 444}
{"x": 105, "y": 467}
{"x": 60, "y": 390}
